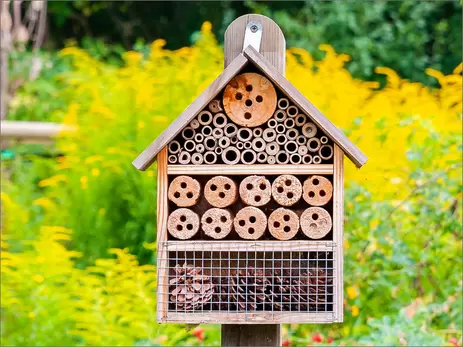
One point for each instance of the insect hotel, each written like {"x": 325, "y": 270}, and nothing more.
{"x": 250, "y": 196}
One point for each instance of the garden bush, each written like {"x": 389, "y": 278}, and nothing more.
{"x": 78, "y": 231}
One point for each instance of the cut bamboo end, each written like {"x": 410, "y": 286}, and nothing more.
{"x": 206, "y": 130}
{"x": 210, "y": 157}
{"x": 295, "y": 158}
{"x": 269, "y": 135}
{"x": 188, "y": 133}
{"x": 271, "y": 160}
{"x": 233, "y": 140}
{"x": 281, "y": 139}
{"x": 280, "y": 115}
{"x": 215, "y": 106}
{"x": 272, "y": 148}
{"x": 250, "y": 223}
{"x": 292, "y": 111}
{"x": 283, "y": 103}
{"x": 205, "y": 118}
{"x": 240, "y": 145}
{"x": 247, "y": 145}
{"x": 301, "y": 140}
{"x": 217, "y": 133}
{"x": 199, "y": 138}
{"x": 221, "y": 191}
{"x": 282, "y": 157}
{"x": 262, "y": 157}
{"x": 197, "y": 159}
{"x": 313, "y": 144}
{"x": 301, "y": 119}
{"x": 302, "y": 150}
{"x": 218, "y": 150}
{"x": 217, "y": 223}
{"x": 316, "y": 222}
{"x": 292, "y": 134}
{"x": 184, "y": 158}
{"x": 231, "y": 155}
{"x": 283, "y": 224}
{"x": 210, "y": 143}
{"x": 219, "y": 120}
{"x": 172, "y": 159}
{"x": 289, "y": 123}
{"x": 307, "y": 159}
{"x": 280, "y": 129}
{"x": 272, "y": 123}
{"x": 224, "y": 142}
{"x": 184, "y": 191}
{"x": 183, "y": 224}
{"x": 258, "y": 144}
{"x": 286, "y": 190}
{"x": 291, "y": 147}
{"x": 317, "y": 190}
{"x": 195, "y": 124}
{"x": 244, "y": 134}
{"x": 249, "y": 99}
{"x": 248, "y": 156}
{"x": 326, "y": 152}
{"x": 189, "y": 145}
{"x": 255, "y": 190}
{"x": 257, "y": 132}
{"x": 309, "y": 130}
{"x": 316, "y": 159}
{"x": 200, "y": 148}
{"x": 324, "y": 140}
{"x": 230, "y": 130}
{"x": 174, "y": 147}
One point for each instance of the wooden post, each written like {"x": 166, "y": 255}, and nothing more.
{"x": 251, "y": 335}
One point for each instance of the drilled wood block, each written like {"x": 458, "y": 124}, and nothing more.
{"x": 286, "y": 190}
{"x": 249, "y": 99}
{"x": 183, "y": 224}
{"x": 316, "y": 222}
{"x": 250, "y": 223}
{"x": 317, "y": 190}
{"x": 221, "y": 191}
{"x": 184, "y": 191}
{"x": 255, "y": 190}
{"x": 217, "y": 223}
{"x": 283, "y": 224}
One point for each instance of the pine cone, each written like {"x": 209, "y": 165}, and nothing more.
{"x": 249, "y": 289}
{"x": 190, "y": 290}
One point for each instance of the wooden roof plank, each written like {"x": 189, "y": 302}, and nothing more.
{"x": 351, "y": 150}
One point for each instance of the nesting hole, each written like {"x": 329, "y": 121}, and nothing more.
{"x": 290, "y": 195}
{"x": 259, "y": 98}
{"x": 262, "y": 186}
{"x": 238, "y": 96}
{"x": 183, "y": 185}
{"x": 182, "y": 219}
{"x": 208, "y": 220}
{"x": 311, "y": 194}
{"x": 248, "y": 102}
{"x": 189, "y": 226}
{"x": 313, "y": 144}
{"x": 257, "y": 198}
{"x": 286, "y": 218}
{"x": 288, "y": 183}
{"x": 242, "y": 223}
{"x": 223, "y": 219}
{"x": 276, "y": 224}
{"x": 251, "y": 231}
{"x": 189, "y": 195}
{"x": 221, "y": 195}
{"x": 179, "y": 227}
{"x": 315, "y": 216}
{"x": 280, "y": 189}
{"x": 218, "y": 230}
{"x": 286, "y": 229}
{"x": 247, "y": 115}
{"x": 252, "y": 219}
{"x": 249, "y": 88}
{"x": 213, "y": 187}
{"x": 322, "y": 193}
{"x": 176, "y": 195}
{"x": 227, "y": 186}
{"x": 315, "y": 181}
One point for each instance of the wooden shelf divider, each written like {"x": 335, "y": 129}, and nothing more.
{"x": 240, "y": 169}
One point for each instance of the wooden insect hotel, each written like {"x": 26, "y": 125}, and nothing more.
{"x": 250, "y": 195}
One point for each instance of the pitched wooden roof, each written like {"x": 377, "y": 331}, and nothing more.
{"x": 148, "y": 156}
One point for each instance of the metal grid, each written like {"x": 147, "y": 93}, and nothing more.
{"x": 248, "y": 282}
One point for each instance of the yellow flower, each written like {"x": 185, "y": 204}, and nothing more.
{"x": 141, "y": 125}
{"x": 355, "y": 311}
{"x": 351, "y": 292}
{"x": 95, "y": 172}
{"x": 52, "y": 181}
{"x": 84, "y": 182}
{"x": 94, "y": 158}
{"x": 206, "y": 27}
{"x": 31, "y": 315}
{"x": 43, "y": 202}
{"x": 38, "y": 278}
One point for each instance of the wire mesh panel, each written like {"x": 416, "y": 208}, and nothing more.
{"x": 249, "y": 282}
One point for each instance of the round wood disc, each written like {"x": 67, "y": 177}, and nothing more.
{"x": 316, "y": 222}
{"x": 317, "y": 190}
{"x": 249, "y": 99}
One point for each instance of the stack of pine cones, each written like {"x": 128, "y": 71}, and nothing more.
{"x": 252, "y": 290}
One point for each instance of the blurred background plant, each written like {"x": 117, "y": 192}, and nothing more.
{"x": 78, "y": 228}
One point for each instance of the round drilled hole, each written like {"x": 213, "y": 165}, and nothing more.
{"x": 290, "y": 195}
{"x": 276, "y": 224}
{"x": 221, "y": 195}
{"x": 213, "y": 187}
{"x": 247, "y": 115}
{"x": 286, "y": 218}
{"x": 322, "y": 193}
{"x": 286, "y": 229}
{"x": 179, "y": 227}
{"x": 218, "y": 230}
{"x": 288, "y": 183}
{"x": 227, "y": 186}
{"x": 223, "y": 219}
{"x": 259, "y": 98}
{"x": 257, "y": 198}
{"x": 183, "y": 185}
{"x": 189, "y": 195}
{"x": 311, "y": 194}
{"x": 248, "y": 103}
{"x": 249, "y": 186}
{"x": 315, "y": 182}
{"x": 238, "y": 96}
{"x": 249, "y": 88}
{"x": 176, "y": 195}
{"x": 280, "y": 189}
{"x": 251, "y": 230}
{"x": 208, "y": 220}
{"x": 242, "y": 223}
{"x": 262, "y": 186}
{"x": 315, "y": 216}
{"x": 182, "y": 219}
{"x": 189, "y": 226}
{"x": 252, "y": 219}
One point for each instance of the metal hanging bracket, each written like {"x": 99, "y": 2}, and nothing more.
{"x": 253, "y": 35}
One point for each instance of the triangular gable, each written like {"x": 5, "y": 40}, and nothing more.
{"x": 148, "y": 156}
{"x": 351, "y": 150}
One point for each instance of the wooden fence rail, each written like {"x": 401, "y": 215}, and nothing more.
{"x": 32, "y": 132}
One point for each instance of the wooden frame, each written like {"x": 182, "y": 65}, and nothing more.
{"x": 338, "y": 227}
{"x": 240, "y": 169}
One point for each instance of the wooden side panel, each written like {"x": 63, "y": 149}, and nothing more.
{"x": 338, "y": 227}
{"x": 162, "y": 214}
{"x": 246, "y": 335}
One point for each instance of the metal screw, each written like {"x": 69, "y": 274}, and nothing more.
{"x": 254, "y": 28}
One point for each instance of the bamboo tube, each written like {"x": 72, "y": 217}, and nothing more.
{"x": 214, "y": 106}
{"x": 257, "y": 132}
{"x": 316, "y": 222}
{"x": 295, "y": 158}
{"x": 183, "y": 224}
{"x": 174, "y": 147}
{"x": 269, "y": 135}
{"x": 189, "y": 145}
{"x": 307, "y": 159}
{"x": 233, "y": 140}
{"x": 206, "y": 130}
{"x": 255, "y": 190}
{"x": 272, "y": 123}
{"x": 302, "y": 150}
{"x": 205, "y": 118}
{"x": 250, "y": 223}
{"x": 281, "y": 139}
{"x": 286, "y": 190}
{"x": 231, "y": 155}
{"x": 326, "y": 152}
{"x": 248, "y": 157}
{"x": 324, "y": 140}
{"x": 221, "y": 191}
{"x": 219, "y": 120}
{"x": 195, "y": 124}
{"x": 244, "y": 134}
{"x": 317, "y": 190}
{"x": 184, "y": 191}
{"x": 197, "y": 159}
{"x": 280, "y": 115}
{"x": 258, "y": 144}
{"x": 230, "y": 130}
{"x": 283, "y": 224}
{"x": 173, "y": 159}
{"x": 272, "y": 148}
{"x": 301, "y": 140}
{"x": 309, "y": 130}
{"x": 280, "y": 129}
{"x": 184, "y": 158}
{"x": 200, "y": 148}
{"x": 217, "y": 133}
{"x": 199, "y": 138}
{"x": 247, "y": 145}
{"x": 217, "y": 223}
{"x": 292, "y": 111}
{"x": 240, "y": 145}
{"x": 188, "y": 133}
{"x": 218, "y": 150}
{"x": 262, "y": 157}
{"x": 292, "y": 134}
{"x": 291, "y": 147}
{"x": 313, "y": 144}
{"x": 282, "y": 157}
{"x": 289, "y": 123}
{"x": 271, "y": 160}
{"x": 301, "y": 119}
{"x": 283, "y": 103}
{"x": 210, "y": 143}
{"x": 224, "y": 142}
{"x": 316, "y": 159}
{"x": 210, "y": 157}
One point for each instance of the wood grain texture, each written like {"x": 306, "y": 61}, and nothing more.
{"x": 352, "y": 151}
{"x": 148, "y": 156}
{"x": 241, "y": 169}
{"x": 245, "y": 335}
{"x": 338, "y": 228}
{"x": 273, "y": 43}
{"x": 162, "y": 215}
